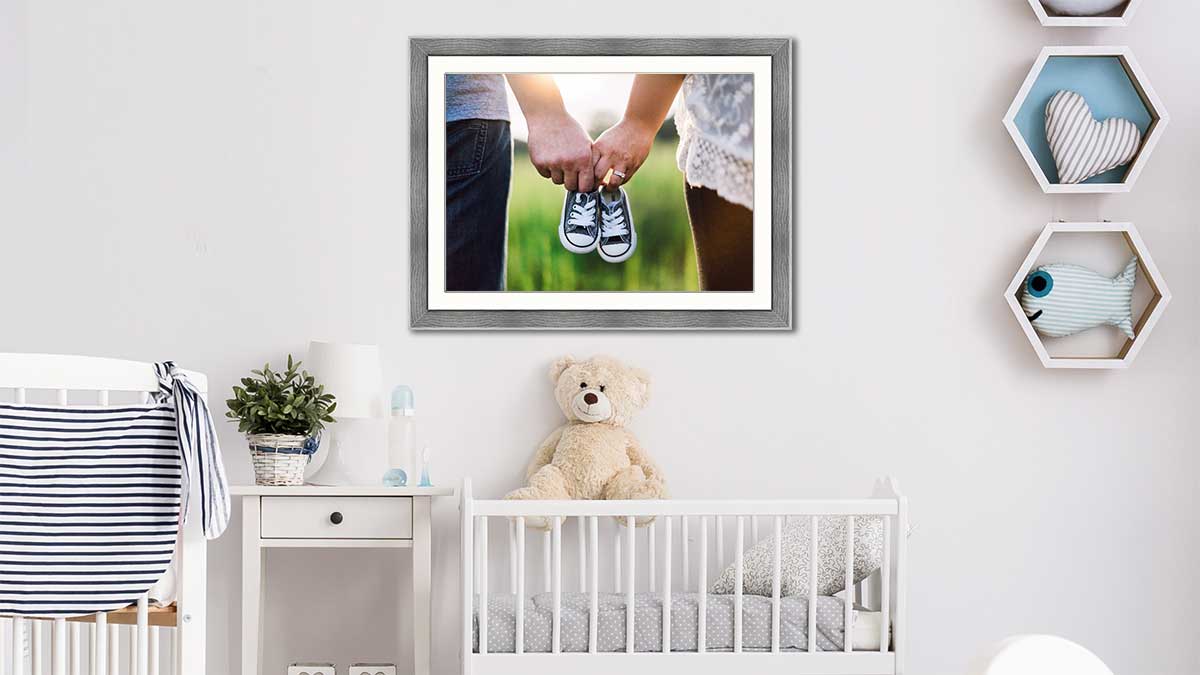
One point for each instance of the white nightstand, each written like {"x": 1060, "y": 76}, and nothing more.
{"x": 309, "y": 516}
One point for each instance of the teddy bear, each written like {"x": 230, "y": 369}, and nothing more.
{"x": 593, "y": 455}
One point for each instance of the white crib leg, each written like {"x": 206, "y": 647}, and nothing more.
{"x": 155, "y": 638}
{"x": 481, "y": 543}
{"x": 75, "y": 658}
{"x": 114, "y": 650}
{"x": 100, "y": 645}
{"x": 58, "y": 657}
{"x": 142, "y": 658}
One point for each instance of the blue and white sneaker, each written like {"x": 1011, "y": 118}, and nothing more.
{"x": 618, "y": 239}
{"x": 579, "y": 226}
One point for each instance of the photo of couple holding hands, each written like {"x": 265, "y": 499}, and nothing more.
{"x": 590, "y": 187}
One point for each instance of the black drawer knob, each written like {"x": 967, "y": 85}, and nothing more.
{"x": 336, "y": 517}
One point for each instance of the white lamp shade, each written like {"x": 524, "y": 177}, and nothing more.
{"x": 352, "y": 373}
{"x": 1039, "y": 655}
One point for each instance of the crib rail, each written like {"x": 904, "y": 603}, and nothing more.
{"x": 138, "y": 640}
{"x": 636, "y": 563}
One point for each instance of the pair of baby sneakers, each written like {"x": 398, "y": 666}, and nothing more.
{"x": 598, "y": 221}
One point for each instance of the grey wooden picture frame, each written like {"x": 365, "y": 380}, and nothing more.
{"x": 779, "y": 317}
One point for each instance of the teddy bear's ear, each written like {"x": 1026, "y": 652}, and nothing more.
{"x": 642, "y": 379}
{"x": 560, "y": 364}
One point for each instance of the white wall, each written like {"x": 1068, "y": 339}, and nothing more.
{"x": 219, "y": 182}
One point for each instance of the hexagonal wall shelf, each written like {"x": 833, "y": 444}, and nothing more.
{"x": 1147, "y": 272}
{"x": 1113, "y": 84}
{"x": 1118, "y": 17}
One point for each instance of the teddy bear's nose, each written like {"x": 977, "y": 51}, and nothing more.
{"x": 590, "y": 398}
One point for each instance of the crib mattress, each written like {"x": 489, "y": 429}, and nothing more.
{"x": 610, "y": 633}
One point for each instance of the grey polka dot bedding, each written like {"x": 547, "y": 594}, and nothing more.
{"x": 756, "y": 623}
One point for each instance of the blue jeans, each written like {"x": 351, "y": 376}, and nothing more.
{"x": 478, "y": 172}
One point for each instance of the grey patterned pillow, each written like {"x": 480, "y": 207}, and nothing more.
{"x": 759, "y": 561}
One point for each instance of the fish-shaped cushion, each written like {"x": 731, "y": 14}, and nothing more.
{"x": 1063, "y": 299}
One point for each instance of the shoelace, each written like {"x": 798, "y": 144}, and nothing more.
{"x": 612, "y": 222}
{"x": 583, "y": 215}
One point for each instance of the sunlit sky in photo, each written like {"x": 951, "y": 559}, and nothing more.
{"x": 589, "y": 97}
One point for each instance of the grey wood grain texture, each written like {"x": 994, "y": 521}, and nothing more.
{"x": 779, "y": 317}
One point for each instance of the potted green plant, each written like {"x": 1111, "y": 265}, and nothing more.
{"x": 282, "y": 415}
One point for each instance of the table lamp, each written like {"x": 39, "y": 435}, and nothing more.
{"x": 353, "y": 374}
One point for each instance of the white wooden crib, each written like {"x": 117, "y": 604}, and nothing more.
{"x": 138, "y": 640}
{"x": 699, "y": 532}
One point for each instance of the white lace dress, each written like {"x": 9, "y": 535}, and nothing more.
{"x": 715, "y": 120}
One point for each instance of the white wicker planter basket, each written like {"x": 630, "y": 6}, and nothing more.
{"x": 279, "y": 459}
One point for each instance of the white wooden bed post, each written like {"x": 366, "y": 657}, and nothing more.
{"x": 192, "y": 554}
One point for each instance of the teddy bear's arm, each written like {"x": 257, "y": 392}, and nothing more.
{"x": 544, "y": 454}
{"x": 638, "y": 457}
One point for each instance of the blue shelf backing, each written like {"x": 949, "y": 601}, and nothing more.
{"x": 1103, "y": 82}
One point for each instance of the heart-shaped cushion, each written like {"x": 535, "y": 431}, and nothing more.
{"x": 1083, "y": 147}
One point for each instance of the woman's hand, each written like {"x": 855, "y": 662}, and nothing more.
{"x": 623, "y": 148}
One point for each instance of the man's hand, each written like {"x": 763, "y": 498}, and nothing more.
{"x": 561, "y": 150}
{"x": 623, "y": 148}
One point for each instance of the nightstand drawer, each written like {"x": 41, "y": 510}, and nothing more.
{"x": 336, "y": 518}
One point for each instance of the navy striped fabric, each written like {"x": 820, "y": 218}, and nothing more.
{"x": 90, "y": 497}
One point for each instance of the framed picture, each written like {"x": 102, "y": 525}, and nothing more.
{"x": 601, "y": 183}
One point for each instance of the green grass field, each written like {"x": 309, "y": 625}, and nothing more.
{"x": 664, "y": 261}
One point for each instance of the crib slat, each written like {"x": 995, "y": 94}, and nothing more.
{"x": 739, "y": 546}
{"x": 58, "y": 654}
{"x": 582, "y": 554}
{"x": 133, "y": 650}
{"x": 546, "y": 561}
{"x": 102, "y": 397}
{"x": 666, "y": 589}
{"x": 114, "y": 650}
{"x": 702, "y": 622}
{"x": 885, "y": 594}
{"x": 594, "y": 605}
{"x": 683, "y": 548}
{"x": 482, "y": 537}
{"x": 75, "y": 656}
{"x": 155, "y": 638}
{"x": 848, "y": 600}
{"x": 143, "y": 635}
{"x": 520, "y": 630}
{"x": 19, "y": 399}
{"x": 18, "y": 641}
{"x": 617, "y": 559}
{"x": 62, "y": 396}
{"x": 776, "y": 584}
{"x": 630, "y": 532}
{"x": 652, "y": 566}
{"x": 753, "y": 530}
{"x": 512, "y": 556}
{"x": 35, "y": 646}
{"x": 720, "y": 543}
{"x": 814, "y": 546}
{"x": 100, "y": 645}
{"x": 556, "y": 585}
